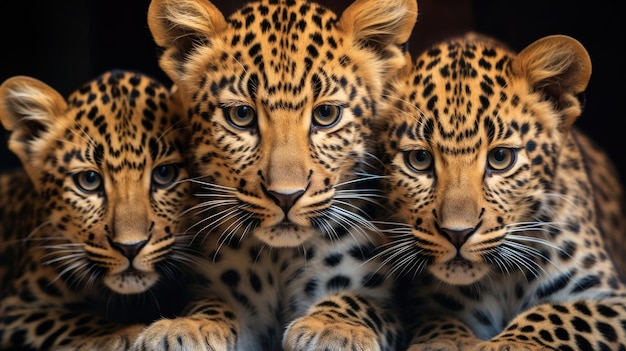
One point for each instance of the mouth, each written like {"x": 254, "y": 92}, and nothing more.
{"x": 131, "y": 281}
{"x": 286, "y": 224}
{"x": 284, "y": 234}
{"x": 460, "y": 271}
{"x": 458, "y": 259}
{"x": 460, "y": 262}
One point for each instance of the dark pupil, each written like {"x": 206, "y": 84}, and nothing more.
{"x": 91, "y": 177}
{"x": 324, "y": 111}
{"x": 163, "y": 171}
{"x": 499, "y": 155}
{"x": 421, "y": 156}
{"x": 242, "y": 112}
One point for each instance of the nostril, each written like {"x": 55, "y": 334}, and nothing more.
{"x": 458, "y": 236}
{"x": 129, "y": 251}
{"x": 285, "y": 201}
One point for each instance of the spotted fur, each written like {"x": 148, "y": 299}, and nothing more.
{"x": 281, "y": 97}
{"x": 498, "y": 232}
{"x": 96, "y": 210}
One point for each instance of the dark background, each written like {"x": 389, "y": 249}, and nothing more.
{"x": 67, "y": 43}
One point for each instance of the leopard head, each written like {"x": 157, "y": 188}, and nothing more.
{"x": 281, "y": 97}
{"x": 472, "y": 140}
{"x": 106, "y": 165}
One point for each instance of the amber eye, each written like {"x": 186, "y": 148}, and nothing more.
{"x": 326, "y": 115}
{"x": 164, "y": 175}
{"x": 501, "y": 159}
{"x": 242, "y": 116}
{"x": 418, "y": 160}
{"x": 88, "y": 181}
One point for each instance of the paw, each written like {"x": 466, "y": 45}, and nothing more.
{"x": 439, "y": 345}
{"x": 119, "y": 340}
{"x": 186, "y": 334}
{"x": 465, "y": 345}
{"x": 312, "y": 334}
{"x": 98, "y": 344}
{"x": 504, "y": 346}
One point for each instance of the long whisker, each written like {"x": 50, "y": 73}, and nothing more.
{"x": 364, "y": 177}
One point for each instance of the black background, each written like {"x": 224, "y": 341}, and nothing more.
{"x": 67, "y": 43}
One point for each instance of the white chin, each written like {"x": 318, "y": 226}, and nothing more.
{"x": 131, "y": 283}
{"x": 457, "y": 272}
{"x": 284, "y": 235}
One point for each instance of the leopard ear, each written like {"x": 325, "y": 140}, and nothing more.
{"x": 178, "y": 26}
{"x": 29, "y": 109}
{"x": 383, "y": 26}
{"x": 559, "y": 67}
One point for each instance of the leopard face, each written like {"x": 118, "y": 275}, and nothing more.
{"x": 106, "y": 167}
{"x": 280, "y": 97}
{"x": 473, "y": 143}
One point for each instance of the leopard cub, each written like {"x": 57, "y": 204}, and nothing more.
{"x": 495, "y": 211}
{"x": 92, "y": 239}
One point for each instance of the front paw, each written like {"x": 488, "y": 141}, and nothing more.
{"x": 505, "y": 346}
{"x": 312, "y": 334}
{"x": 439, "y": 345}
{"x": 186, "y": 333}
{"x": 115, "y": 340}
